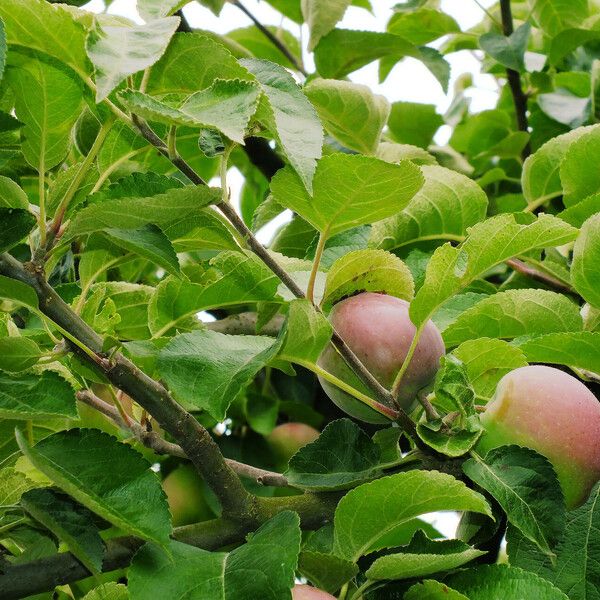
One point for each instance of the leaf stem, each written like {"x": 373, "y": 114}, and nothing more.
{"x": 388, "y": 412}
{"x": 76, "y": 181}
{"x": 411, "y": 350}
{"x": 310, "y": 290}
{"x": 42, "y": 199}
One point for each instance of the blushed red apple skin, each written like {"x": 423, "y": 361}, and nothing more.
{"x": 285, "y": 440}
{"x": 307, "y": 592}
{"x": 553, "y": 413}
{"x": 378, "y": 329}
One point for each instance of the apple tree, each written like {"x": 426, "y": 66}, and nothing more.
{"x": 186, "y": 412}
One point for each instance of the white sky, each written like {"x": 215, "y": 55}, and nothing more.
{"x": 409, "y": 80}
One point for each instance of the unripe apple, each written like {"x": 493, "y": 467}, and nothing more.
{"x": 378, "y": 329}
{"x": 554, "y": 414}
{"x": 185, "y": 494}
{"x": 306, "y": 592}
{"x": 285, "y": 440}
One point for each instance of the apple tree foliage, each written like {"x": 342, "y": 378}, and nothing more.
{"x": 117, "y": 230}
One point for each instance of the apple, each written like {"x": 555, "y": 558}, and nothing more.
{"x": 185, "y": 494}
{"x": 378, "y": 329}
{"x": 553, "y": 413}
{"x": 285, "y": 440}
{"x": 306, "y": 592}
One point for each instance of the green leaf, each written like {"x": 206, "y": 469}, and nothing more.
{"x": 157, "y": 9}
{"x": 501, "y": 582}
{"x": 370, "y": 271}
{"x": 486, "y": 361}
{"x": 118, "y": 51}
{"x": 340, "y": 458}
{"x": 422, "y": 557}
{"x": 48, "y": 100}
{"x": 586, "y": 253}
{"x": 18, "y": 353}
{"x": 259, "y": 46}
{"x": 48, "y": 28}
{"x": 577, "y": 572}
{"x": 15, "y": 224}
{"x": 579, "y": 213}
{"x": 293, "y": 118}
{"x": 352, "y": 114}
{"x": 233, "y": 278}
{"x": 555, "y": 15}
{"x": 326, "y": 571}
{"x": 343, "y": 51}
{"x": 12, "y": 195}
{"x": 414, "y": 123}
{"x": 110, "y": 591}
{"x": 321, "y": 17}
{"x": 349, "y": 190}
{"x": 443, "y": 209}
{"x": 489, "y": 243}
{"x": 262, "y": 568}
{"x": 18, "y": 292}
{"x": 508, "y": 51}
{"x": 71, "y": 523}
{"x": 578, "y": 179}
{"x": 104, "y": 475}
{"x": 396, "y": 503}
{"x": 209, "y": 370}
{"x": 541, "y": 179}
{"x": 432, "y": 590}
{"x": 36, "y": 397}
{"x": 307, "y": 332}
{"x": 422, "y": 26}
{"x": 578, "y": 349}
{"x": 568, "y": 40}
{"x": 525, "y": 485}
{"x": 149, "y": 242}
{"x": 226, "y": 105}
{"x": 514, "y": 313}
{"x": 394, "y": 153}
{"x": 13, "y": 484}
{"x": 338, "y": 245}
{"x": 178, "y": 72}
{"x": 135, "y": 212}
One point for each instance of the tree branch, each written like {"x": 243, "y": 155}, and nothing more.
{"x": 195, "y": 440}
{"x": 152, "y": 440}
{"x": 549, "y": 280}
{"x": 514, "y": 79}
{"x": 272, "y": 38}
{"x": 382, "y": 395}
{"x": 25, "y": 579}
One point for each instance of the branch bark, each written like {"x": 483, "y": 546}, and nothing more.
{"x": 533, "y": 273}
{"x": 381, "y": 394}
{"x": 25, "y": 579}
{"x": 195, "y": 440}
{"x": 514, "y": 79}
{"x": 152, "y": 440}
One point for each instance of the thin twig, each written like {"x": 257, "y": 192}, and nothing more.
{"x": 549, "y": 280}
{"x": 382, "y": 395}
{"x": 430, "y": 411}
{"x": 152, "y": 440}
{"x": 195, "y": 440}
{"x": 272, "y": 38}
{"x": 514, "y": 79}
